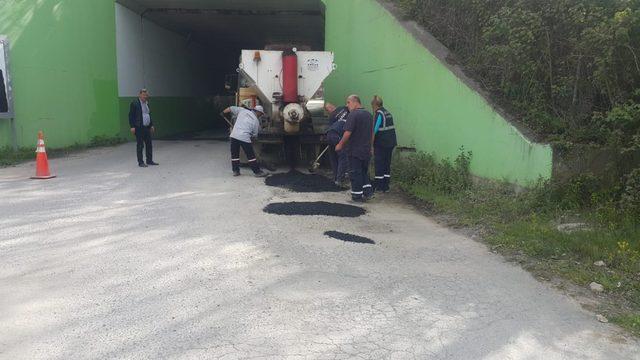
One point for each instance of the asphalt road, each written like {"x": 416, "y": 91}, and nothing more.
{"x": 112, "y": 261}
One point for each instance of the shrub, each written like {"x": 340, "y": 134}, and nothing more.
{"x": 442, "y": 176}
{"x": 630, "y": 201}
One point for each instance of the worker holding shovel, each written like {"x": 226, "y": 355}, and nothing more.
{"x": 246, "y": 127}
{"x": 339, "y": 160}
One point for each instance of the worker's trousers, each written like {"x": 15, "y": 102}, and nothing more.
{"x": 339, "y": 164}
{"x": 143, "y": 142}
{"x": 248, "y": 150}
{"x": 383, "y": 156}
{"x": 360, "y": 183}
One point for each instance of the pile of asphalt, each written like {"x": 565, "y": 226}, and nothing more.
{"x": 349, "y": 237}
{"x": 319, "y": 208}
{"x": 303, "y": 183}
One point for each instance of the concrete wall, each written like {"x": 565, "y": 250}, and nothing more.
{"x": 63, "y": 62}
{"x": 161, "y": 60}
{"x": 176, "y": 72}
{"x": 435, "y": 110}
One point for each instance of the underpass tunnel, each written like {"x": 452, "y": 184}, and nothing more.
{"x": 184, "y": 51}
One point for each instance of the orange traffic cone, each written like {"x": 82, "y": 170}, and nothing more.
{"x": 42, "y": 163}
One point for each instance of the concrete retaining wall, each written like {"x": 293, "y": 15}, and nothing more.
{"x": 436, "y": 108}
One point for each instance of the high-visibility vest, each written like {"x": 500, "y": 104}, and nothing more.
{"x": 386, "y": 136}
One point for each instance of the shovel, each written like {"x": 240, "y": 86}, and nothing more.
{"x": 316, "y": 164}
{"x": 227, "y": 120}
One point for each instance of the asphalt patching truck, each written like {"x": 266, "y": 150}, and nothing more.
{"x": 288, "y": 83}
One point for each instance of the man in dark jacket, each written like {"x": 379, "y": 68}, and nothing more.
{"x": 338, "y": 159}
{"x": 4, "y": 102}
{"x": 142, "y": 127}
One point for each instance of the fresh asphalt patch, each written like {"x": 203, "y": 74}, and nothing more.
{"x": 303, "y": 183}
{"x": 318, "y": 208}
{"x": 349, "y": 237}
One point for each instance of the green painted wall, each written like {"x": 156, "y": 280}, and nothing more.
{"x": 63, "y": 67}
{"x": 173, "y": 115}
{"x": 434, "y": 110}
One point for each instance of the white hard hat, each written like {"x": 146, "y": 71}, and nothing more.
{"x": 259, "y": 108}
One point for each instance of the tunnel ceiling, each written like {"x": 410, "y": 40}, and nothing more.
{"x": 239, "y": 23}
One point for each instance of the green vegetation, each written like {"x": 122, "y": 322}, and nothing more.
{"x": 569, "y": 69}
{"x": 631, "y": 322}
{"x": 524, "y": 224}
{"x": 8, "y": 157}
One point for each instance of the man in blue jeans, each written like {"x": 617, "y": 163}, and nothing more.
{"x": 358, "y": 142}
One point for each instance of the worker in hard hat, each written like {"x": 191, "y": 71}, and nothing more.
{"x": 383, "y": 144}
{"x": 246, "y": 127}
{"x": 338, "y": 159}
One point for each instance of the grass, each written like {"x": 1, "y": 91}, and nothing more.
{"x": 630, "y": 322}
{"x": 9, "y": 157}
{"x": 523, "y": 224}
